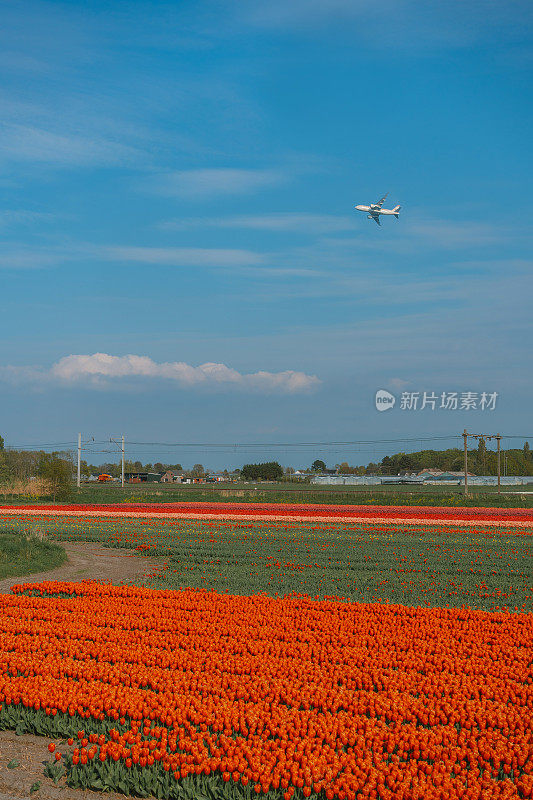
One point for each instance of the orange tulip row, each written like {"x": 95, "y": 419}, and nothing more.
{"x": 348, "y": 699}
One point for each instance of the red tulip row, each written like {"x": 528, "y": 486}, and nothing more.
{"x": 294, "y": 510}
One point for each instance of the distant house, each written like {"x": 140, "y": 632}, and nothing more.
{"x": 448, "y": 476}
{"x": 299, "y": 475}
{"x": 429, "y": 473}
{"x": 445, "y": 478}
{"x": 171, "y": 477}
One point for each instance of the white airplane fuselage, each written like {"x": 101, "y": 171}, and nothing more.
{"x": 375, "y": 210}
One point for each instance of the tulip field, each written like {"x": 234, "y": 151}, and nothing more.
{"x": 280, "y": 658}
{"x": 483, "y": 568}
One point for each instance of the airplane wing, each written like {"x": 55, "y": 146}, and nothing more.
{"x": 376, "y": 219}
{"x": 380, "y": 202}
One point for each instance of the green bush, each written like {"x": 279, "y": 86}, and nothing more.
{"x": 267, "y": 471}
{"x": 24, "y": 553}
{"x": 58, "y": 472}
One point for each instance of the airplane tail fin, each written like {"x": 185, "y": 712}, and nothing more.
{"x": 396, "y": 211}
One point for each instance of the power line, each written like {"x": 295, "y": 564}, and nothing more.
{"x": 267, "y": 445}
{"x": 34, "y": 446}
{"x": 234, "y": 446}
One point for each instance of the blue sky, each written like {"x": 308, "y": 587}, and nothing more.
{"x": 177, "y": 190}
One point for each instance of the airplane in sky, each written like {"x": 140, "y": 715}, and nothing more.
{"x": 375, "y": 210}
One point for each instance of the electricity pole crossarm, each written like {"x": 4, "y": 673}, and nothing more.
{"x": 482, "y": 437}
{"x": 80, "y": 444}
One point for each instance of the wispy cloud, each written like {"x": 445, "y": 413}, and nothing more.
{"x": 279, "y": 13}
{"x": 13, "y": 218}
{"x": 416, "y": 231}
{"x": 404, "y": 22}
{"x": 22, "y": 62}
{"x": 501, "y": 266}
{"x": 454, "y": 233}
{"x": 403, "y": 237}
{"x": 199, "y": 183}
{"x": 20, "y": 257}
{"x": 283, "y": 222}
{"x": 342, "y": 260}
{"x": 31, "y": 143}
{"x": 101, "y": 370}
{"x": 182, "y": 256}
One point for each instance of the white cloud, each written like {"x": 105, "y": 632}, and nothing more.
{"x": 448, "y": 233}
{"x": 414, "y": 231}
{"x": 505, "y": 266}
{"x": 11, "y": 218}
{"x": 199, "y": 183}
{"x": 21, "y": 375}
{"x": 398, "y": 383}
{"x": 22, "y": 62}
{"x": 395, "y": 22}
{"x": 30, "y": 143}
{"x": 283, "y": 222}
{"x": 12, "y": 257}
{"x": 304, "y": 12}
{"x": 182, "y": 256}
{"x": 101, "y": 370}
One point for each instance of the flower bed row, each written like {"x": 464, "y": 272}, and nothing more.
{"x": 289, "y": 696}
{"x": 298, "y": 509}
{"x": 441, "y": 564}
{"x": 521, "y": 518}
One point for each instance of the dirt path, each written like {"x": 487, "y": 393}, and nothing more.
{"x": 31, "y": 753}
{"x": 85, "y": 560}
{"x": 90, "y": 560}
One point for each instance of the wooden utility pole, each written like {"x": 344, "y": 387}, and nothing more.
{"x": 465, "y": 437}
{"x": 482, "y": 437}
{"x": 78, "y": 482}
{"x": 121, "y": 445}
{"x": 498, "y": 440}
{"x": 122, "y": 461}
{"x": 80, "y": 443}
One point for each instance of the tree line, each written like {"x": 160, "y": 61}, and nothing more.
{"x": 59, "y": 468}
{"x": 114, "y": 469}
{"x": 55, "y": 469}
{"x": 481, "y": 461}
